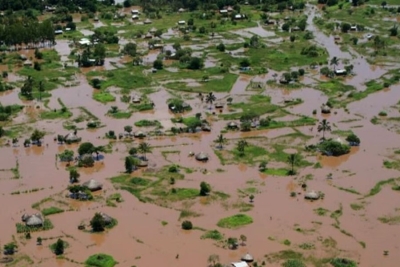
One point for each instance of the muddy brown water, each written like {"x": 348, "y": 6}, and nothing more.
{"x": 140, "y": 238}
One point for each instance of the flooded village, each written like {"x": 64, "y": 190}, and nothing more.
{"x": 201, "y": 133}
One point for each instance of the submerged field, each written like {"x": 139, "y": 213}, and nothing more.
{"x": 207, "y": 149}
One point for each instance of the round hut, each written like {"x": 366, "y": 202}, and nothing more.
{"x": 136, "y": 99}
{"x": 153, "y": 30}
{"x": 107, "y": 219}
{"x": 34, "y": 220}
{"x": 140, "y": 134}
{"x": 233, "y": 125}
{"x": 148, "y": 36}
{"x": 312, "y": 195}
{"x": 202, "y": 156}
{"x": 206, "y": 128}
{"x": 93, "y": 185}
{"x": 219, "y": 105}
{"x": 247, "y": 258}
{"x": 72, "y": 138}
{"x": 325, "y": 109}
{"x": 147, "y": 21}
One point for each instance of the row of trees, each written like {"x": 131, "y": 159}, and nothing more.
{"x": 132, "y": 161}
{"x": 23, "y": 30}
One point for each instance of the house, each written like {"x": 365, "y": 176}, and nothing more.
{"x": 84, "y": 41}
{"x": 181, "y": 22}
{"x": 135, "y": 12}
{"x": 223, "y": 11}
{"x": 353, "y": 28}
{"x": 229, "y": 8}
{"x": 239, "y": 264}
{"x": 340, "y": 72}
{"x": 58, "y": 32}
{"x": 135, "y": 17}
{"x": 239, "y": 16}
{"x": 295, "y": 29}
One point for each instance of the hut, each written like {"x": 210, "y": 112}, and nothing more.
{"x": 312, "y": 195}
{"x": 219, "y": 105}
{"x": 28, "y": 63}
{"x": 239, "y": 264}
{"x": 135, "y": 12}
{"x": 93, "y": 185}
{"x": 136, "y": 99}
{"x": 72, "y": 138}
{"x": 202, "y": 156}
{"x": 325, "y": 109}
{"x": 107, "y": 219}
{"x": 135, "y": 17}
{"x": 96, "y": 19}
{"x": 206, "y": 128}
{"x": 153, "y": 30}
{"x": 148, "y": 36}
{"x": 139, "y": 134}
{"x": 340, "y": 72}
{"x": 232, "y": 125}
{"x": 247, "y": 258}
{"x": 34, "y": 220}
{"x": 181, "y": 22}
{"x": 181, "y": 10}
{"x": 147, "y": 21}
{"x": 143, "y": 163}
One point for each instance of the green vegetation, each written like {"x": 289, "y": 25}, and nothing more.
{"x": 51, "y": 210}
{"x": 213, "y": 234}
{"x": 22, "y": 228}
{"x": 377, "y": 188}
{"x": 100, "y": 260}
{"x": 293, "y": 263}
{"x": 147, "y": 123}
{"x": 235, "y": 221}
{"x": 357, "y": 206}
{"x": 103, "y": 97}
{"x": 321, "y": 211}
{"x": 341, "y": 262}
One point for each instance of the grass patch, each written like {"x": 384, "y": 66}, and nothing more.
{"x": 213, "y": 234}
{"x": 100, "y": 260}
{"x": 391, "y": 220}
{"x": 235, "y": 221}
{"x": 357, "y": 206}
{"x": 51, "y": 210}
{"x": 378, "y": 187}
{"x": 321, "y": 211}
{"x": 113, "y": 199}
{"x": 120, "y": 114}
{"x": 276, "y": 172}
{"x": 186, "y": 213}
{"x": 58, "y": 114}
{"x": 22, "y": 228}
{"x": 147, "y": 123}
{"x": 103, "y": 97}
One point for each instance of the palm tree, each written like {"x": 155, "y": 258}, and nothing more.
{"x": 334, "y": 62}
{"x": 40, "y": 89}
{"x": 221, "y": 140}
{"x": 144, "y": 148}
{"x": 292, "y": 160}
{"x": 213, "y": 259}
{"x": 210, "y": 98}
{"x": 324, "y": 126}
{"x": 241, "y": 145}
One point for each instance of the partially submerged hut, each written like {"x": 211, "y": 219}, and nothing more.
{"x": 325, "y": 109}
{"x": 202, "y": 156}
{"x": 147, "y": 21}
{"x": 93, "y": 185}
{"x": 312, "y": 195}
{"x": 107, "y": 219}
{"x": 139, "y": 134}
{"x": 247, "y": 258}
{"x": 136, "y": 99}
{"x": 33, "y": 220}
{"x": 148, "y": 36}
{"x": 219, "y": 105}
{"x": 72, "y": 138}
{"x": 153, "y": 30}
{"x": 232, "y": 125}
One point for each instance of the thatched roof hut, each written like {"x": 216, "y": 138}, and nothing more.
{"x": 148, "y": 36}
{"x": 247, "y": 258}
{"x": 153, "y": 30}
{"x": 143, "y": 163}
{"x": 206, "y": 128}
{"x": 147, "y": 21}
{"x": 24, "y": 217}
{"x": 34, "y": 220}
{"x": 93, "y": 185}
{"x": 107, "y": 219}
{"x": 72, "y": 138}
{"x": 140, "y": 134}
{"x": 136, "y": 99}
{"x": 219, "y": 105}
{"x": 232, "y": 124}
{"x": 202, "y": 156}
{"x": 312, "y": 195}
{"x": 325, "y": 109}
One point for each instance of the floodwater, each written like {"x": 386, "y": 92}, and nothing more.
{"x": 141, "y": 226}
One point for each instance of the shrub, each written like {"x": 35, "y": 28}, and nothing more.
{"x": 341, "y": 262}
{"x": 382, "y": 113}
{"x": 334, "y": 148}
{"x": 187, "y": 225}
{"x": 352, "y": 138}
{"x": 173, "y": 168}
{"x": 293, "y": 263}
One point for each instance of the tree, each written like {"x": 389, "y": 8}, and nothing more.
{"x": 394, "y": 30}
{"x": 243, "y": 238}
{"x": 97, "y": 223}
{"x": 130, "y": 49}
{"x": 205, "y": 189}
{"x": 59, "y": 247}
{"x": 2, "y": 131}
{"x": 74, "y": 176}
{"x": 132, "y": 151}
{"x": 384, "y": 4}
{"x": 210, "y": 98}
{"x": 187, "y": 225}
{"x": 128, "y": 129}
{"x": 221, "y": 140}
{"x": 66, "y": 155}
{"x": 9, "y": 248}
{"x": 353, "y": 139}
{"x": 213, "y": 259}
{"x": 158, "y": 64}
{"x": 85, "y": 148}
{"x": 129, "y": 164}
{"x": 195, "y": 63}
{"x": 37, "y": 136}
{"x": 240, "y": 146}
{"x": 292, "y": 160}
{"x": 251, "y": 197}
{"x": 40, "y": 89}
{"x": 324, "y": 126}
{"x": 60, "y": 139}
{"x": 39, "y": 241}
{"x": 263, "y": 165}
{"x": 26, "y": 89}
{"x": 144, "y": 148}
{"x": 221, "y": 47}
{"x": 97, "y": 150}
{"x": 334, "y": 62}
{"x": 346, "y": 27}
{"x": 245, "y": 62}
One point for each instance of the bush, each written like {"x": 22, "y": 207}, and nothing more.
{"x": 205, "y": 189}
{"x": 187, "y": 225}
{"x": 158, "y": 64}
{"x": 293, "y": 263}
{"x": 100, "y": 260}
{"x": 353, "y": 139}
{"x": 301, "y": 72}
{"x": 173, "y": 168}
{"x": 341, "y": 262}
{"x": 333, "y": 148}
{"x": 96, "y": 83}
{"x": 221, "y": 47}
